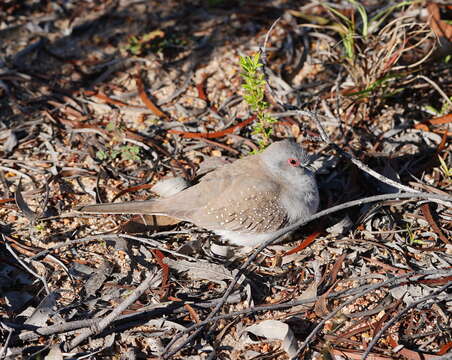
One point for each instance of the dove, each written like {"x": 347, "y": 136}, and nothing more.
{"x": 245, "y": 202}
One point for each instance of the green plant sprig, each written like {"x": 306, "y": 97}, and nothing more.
{"x": 254, "y": 87}
{"x": 125, "y": 152}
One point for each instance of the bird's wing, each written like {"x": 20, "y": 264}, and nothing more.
{"x": 247, "y": 165}
{"x": 247, "y": 205}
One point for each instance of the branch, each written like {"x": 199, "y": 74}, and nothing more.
{"x": 104, "y": 322}
{"x": 431, "y": 197}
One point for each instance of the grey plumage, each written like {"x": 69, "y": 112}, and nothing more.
{"x": 245, "y": 202}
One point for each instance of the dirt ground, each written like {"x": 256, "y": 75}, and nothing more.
{"x": 100, "y": 100}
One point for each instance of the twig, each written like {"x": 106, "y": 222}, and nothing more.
{"x": 104, "y": 322}
{"x": 399, "y": 315}
{"x": 266, "y": 71}
{"x": 73, "y": 242}
{"x": 348, "y": 302}
{"x": 444, "y": 357}
{"x": 161, "y": 309}
{"x": 17, "y": 172}
{"x": 114, "y": 237}
{"x": 138, "y": 143}
{"x": 168, "y": 353}
{"x": 336, "y": 295}
{"x": 5, "y": 346}
{"x": 442, "y": 93}
{"x": 21, "y": 262}
{"x": 355, "y": 161}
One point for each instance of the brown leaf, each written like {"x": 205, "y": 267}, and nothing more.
{"x": 440, "y": 27}
{"x": 147, "y": 101}
{"x": 23, "y": 206}
{"x": 428, "y": 216}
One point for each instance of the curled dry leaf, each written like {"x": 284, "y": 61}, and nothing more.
{"x": 276, "y": 330}
{"x": 43, "y": 311}
{"x": 98, "y": 278}
{"x": 23, "y": 206}
{"x": 202, "y": 270}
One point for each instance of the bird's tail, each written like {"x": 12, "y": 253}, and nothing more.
{"x": 132, "y": 207}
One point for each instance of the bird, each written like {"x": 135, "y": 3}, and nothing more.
{"x": 245, "y": 202}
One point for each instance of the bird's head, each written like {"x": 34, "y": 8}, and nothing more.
{"x": 287, "y": 160}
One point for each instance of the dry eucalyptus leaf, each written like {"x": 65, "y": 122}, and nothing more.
{"x": 201, "y": 270}
{"x": 23, "y": 206}
{"x": 55, "y": 353}
{"x": 43, "y": 311}
{"x": 98, "y": 278}
{"x": 309, "y": 293}
{"x": 221, "y": 250}
{"x": 341, "y": 227}
{"x": 190, "y": 247}
{"x": 276, "y": 330}
{"x": 11, "y": 142}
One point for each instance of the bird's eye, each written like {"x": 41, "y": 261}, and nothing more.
{"x": 293, "y": 162}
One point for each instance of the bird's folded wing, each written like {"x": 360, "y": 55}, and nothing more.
{"x": 247, "y": 205}
{"x": 251, "y": 165}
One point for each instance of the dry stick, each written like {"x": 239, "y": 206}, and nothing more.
{"x": 442, "y": 93}
{"x": 296, "y": 225}
{"x": 172, "y": 307}
{"x": 155, "y": 244}
{"x": 88, "y": 239}
{"x": 5, "y": 346}
{"x": 344, "y": 304}
{"x": 104, "y": 322}
{"x": 399, "y": 315}
{"x": 21, "y": 262}
{"x": 80, "y": 324}
{"x": 340, "y": 294}
{"x": 444, "y": 357}
{"x": 265, "y": 70}
{"x": 355, "y": 161}
{"x": 17, "y": 172}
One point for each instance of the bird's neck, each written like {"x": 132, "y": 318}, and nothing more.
{"x": 300, "y": 197}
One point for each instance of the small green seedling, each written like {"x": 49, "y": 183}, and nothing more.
{"x": 446, "y": 170}
{"x": 254, "y": 87}
{"x": 125, "y": 152}
{"x": 412, "y": 236}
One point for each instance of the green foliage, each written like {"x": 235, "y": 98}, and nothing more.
{"x": 412, "y": 236}
{"x": 446, "y": 170}
{"x": 102, "y": 155}
{"x": 124, "y": 152}
{"x": 254, "y": 87}
{"x": 130, "y": 152}
{"x": 134, "y": 46}
{"x": 155, "y": 41}
{"x": 348, "y": 29}
{"x": 112, "y": 126}
{"x": 372, "y": 45}
{"x": 40, "y": 227}
{"x": 445, "y": 108}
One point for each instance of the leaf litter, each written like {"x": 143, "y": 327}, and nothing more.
{"x": 104, "y": 99}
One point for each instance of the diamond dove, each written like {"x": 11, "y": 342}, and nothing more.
{"x": 245, "y": 202}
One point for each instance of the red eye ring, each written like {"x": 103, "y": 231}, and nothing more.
{"x": 293, "y": 162}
